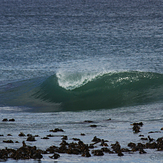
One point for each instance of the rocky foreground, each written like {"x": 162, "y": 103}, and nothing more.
{"x": 98, "y": 147}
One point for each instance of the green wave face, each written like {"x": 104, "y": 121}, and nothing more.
{"x": 109, "y": 90}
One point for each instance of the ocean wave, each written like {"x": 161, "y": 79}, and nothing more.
{"x": 83, "y": 91}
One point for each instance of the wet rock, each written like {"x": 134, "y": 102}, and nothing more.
{"x": 103, "y": 143}
{"x": 76, "y": 139}
{"x": 93, "y": 125}
{"x": 55, "y": 156}
{"x": 97, "y": 152}
{"x": 106, "y": 150}
{"x": 141, "y": 135}
{"x": 29, "y": 135}
{"x": 138, "y": 124}
{"x": 3, "y": 155}
{"x": 150, "y": 139}
{"x": 24, "y": 145}
{"x": 160, "y": 144}
{"x": 45, "y": 138}
{"x": 151, "y": 145}
{"x": 144, "y": 138}
{"x": 96, "y": 140}
{"x": 91, "y": 146}
{"x": 9, "y": 135}
{"x": 120, "y": 153}
{"x": 50, "y": 135}
{"x": 5, "y": 120}
{"x": 82, "y": 134}
{"x": 16, "y": 142}
{"x": 131, "y": 145}
{"x": 125, "y": 150}
{"x": 8, "y": 141}
{"x": 57, "y": 130}
{"x": 88, "y": 121}
{"x": 86, "y": 154}
{"x": 117, "y": 148}
{"x": 51, "y": 149}
{"x": 21, "y": 134}
{"x": 136, "y": 128}
{"x": 151, "y": 132}
{"x": 31, "y": 138}
{"x": 141, "y": 151}
{"x": 64, "y": 137}
{"x": 36, "y": 136}
{"x": 1, "y": 135}
{"x": 140, "y": 145}
{"x": 12, "y": 120}
{"x": 109, "y": 119}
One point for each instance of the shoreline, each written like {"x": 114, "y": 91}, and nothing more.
{"x": 76, "y": 147}
{"x": 114, "y": 128}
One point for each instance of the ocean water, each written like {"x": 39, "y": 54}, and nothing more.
{"x": 73, "y": 60}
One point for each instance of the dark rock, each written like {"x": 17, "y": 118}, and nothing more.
{"x": 141, "y": 151}
{"x": 57, "y": 130}
{"x": 29, "y": 135}
{"x": 141, "y": 135}
{"x": 86, "y": 154}
{"x": 151, "y": 145}
{"x": 21, "y": 134}
{"x": 144, "y": 138}
{"x": 116, "y": 147}
{"x": 82, "y": 134}
{"x": 12, "y": 120}
{"x": 1, "y": 135}
{"x": 9, "y": 135}
{"x": 8, "y": 141}
{"x": 151, "y": 132}
{"x": 31, "y": 138}
{"x": 64, "y": 137}
{"x": 91, "y": 146}
{"x": 93, "y": 125}
{"x": 150, "y": 139}
{"x": 131, "y": 145}
{"x": 45, "y": 138}
{"x": 138, "y": 124}
{"x": 36, "y": 136}
{"x": 103, "y": 143}
{"x": 106, "y": 150}
{"x": 24, "y": 145}
{"x": 88, "y": 121}
{"x": 97, "y": 152}
{"x": 5, "y": 120}
{"x": 50, "y": 135}
{"x": 108, "y": 119}
{"x": 96, "y": 140}
{"x": 55, "y": 156}
{"x": 51, "y": 149}
{"x": 120, "y": 153}
{"x": 136, "y": 128}
{"x": 76, "y": 139}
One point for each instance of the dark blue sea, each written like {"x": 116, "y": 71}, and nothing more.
{"x": 72, "y": 60}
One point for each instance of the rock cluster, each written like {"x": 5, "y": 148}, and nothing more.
{"x": 98, "y": 147}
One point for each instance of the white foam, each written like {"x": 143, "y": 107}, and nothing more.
{"x": 71, "y": 81}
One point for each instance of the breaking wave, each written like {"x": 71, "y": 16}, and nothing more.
{"x": 83, "y": 91}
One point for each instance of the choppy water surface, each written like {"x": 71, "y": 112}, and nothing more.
{"x": 63, "y": 62}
